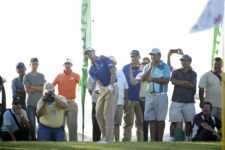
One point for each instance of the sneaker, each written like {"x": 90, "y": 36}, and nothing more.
{"x": 105, "y": 142}
{"x": 171, "y": 139}
{"x": 187, "y": 139}
{"x": 102, "y": 139}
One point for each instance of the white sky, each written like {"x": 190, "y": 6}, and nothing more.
{"x": 50, "y": 30}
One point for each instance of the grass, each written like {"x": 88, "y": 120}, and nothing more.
{"x": 117, "y": 146}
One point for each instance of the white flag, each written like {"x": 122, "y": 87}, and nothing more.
{"x": 211, "y": 16}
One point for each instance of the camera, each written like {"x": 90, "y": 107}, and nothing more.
{"x": 49, "y": 97}
{"x": 135, "y": 67}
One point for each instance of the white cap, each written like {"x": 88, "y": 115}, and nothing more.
{"x": 88, "y": 49}
{"x": 68, "y": 60}
{"x": 155, "y": 51}
{"x": 48, "y": 87}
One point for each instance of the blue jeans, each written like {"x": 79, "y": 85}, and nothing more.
{"x": 50, "y": 134}
{"x": 145, "y": 123}
{"x": 31, "y": 113}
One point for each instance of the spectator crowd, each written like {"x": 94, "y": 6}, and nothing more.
{"x": 137, "y": 93}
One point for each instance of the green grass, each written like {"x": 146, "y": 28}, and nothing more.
{"x": 117, "y": 146}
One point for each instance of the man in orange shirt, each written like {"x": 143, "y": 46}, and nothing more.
{"x": 67, "y": 82}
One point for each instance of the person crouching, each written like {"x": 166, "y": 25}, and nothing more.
{"x": 16, "y": 125}
{"x": 50, "y": 110}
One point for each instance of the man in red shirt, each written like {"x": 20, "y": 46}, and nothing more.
{"x": 67, "y": 82}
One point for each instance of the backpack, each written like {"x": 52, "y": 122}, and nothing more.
{"x": 179, "y": 135}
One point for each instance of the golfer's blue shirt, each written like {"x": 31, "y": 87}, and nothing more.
{"x": 101, "y": 70}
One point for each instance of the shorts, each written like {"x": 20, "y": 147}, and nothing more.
{"x": 156, "y": 107}
{"x": 180, "y": 112}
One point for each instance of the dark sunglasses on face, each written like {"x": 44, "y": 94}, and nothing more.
{"x": 144, "y": 63}
{"x": 35, "y": 64}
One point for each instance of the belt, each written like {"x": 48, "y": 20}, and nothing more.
{"x": 156, "y": 94}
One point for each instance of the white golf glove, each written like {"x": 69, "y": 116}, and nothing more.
{"x": 110, "y": 88}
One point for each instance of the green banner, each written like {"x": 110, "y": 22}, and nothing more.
{"x": 86, "y": 37}
{"x": 216, "y": 42}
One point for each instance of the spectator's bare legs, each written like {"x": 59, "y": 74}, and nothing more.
{"x": 157, "y": 130}
{"x": 153, "y": 130}
{"x": 160, "y": 128}
{"x": 188, "y": 129}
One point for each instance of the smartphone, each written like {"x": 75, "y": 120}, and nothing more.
{"x": 174, "y": 50}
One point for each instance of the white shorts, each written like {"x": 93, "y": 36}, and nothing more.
{"x": 156, "y": 107}
{"x": 180, "y": 112}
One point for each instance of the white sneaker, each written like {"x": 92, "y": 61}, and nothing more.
{"x": 105, "y": 142}
{"x": 171, "y": 139}
{"x": 102, "y": 139}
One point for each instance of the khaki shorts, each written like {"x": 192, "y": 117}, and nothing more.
{"x": 156, "y": 107}
{"x": 181, "y": 112}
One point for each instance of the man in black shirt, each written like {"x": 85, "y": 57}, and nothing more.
{"x": 204, "y": 125}
{"x": 182, "y": 107}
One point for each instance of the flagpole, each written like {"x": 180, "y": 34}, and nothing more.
{"x": 86, "y": 37}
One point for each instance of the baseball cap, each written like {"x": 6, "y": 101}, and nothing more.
{"x": 20, "y": 65}
{"x": 68, "y": 60}
{"x": 155, "y": 51}
{"x": 48, "y": 87}
{"x": 88, "y": 49}
{"x": 16, "y": 100}
{"x": 186, "y": 57}
{"x": 134, "y": 53}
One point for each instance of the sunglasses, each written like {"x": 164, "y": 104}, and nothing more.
{"x": 144, "y": 63}
{"x": 35, "y": 64}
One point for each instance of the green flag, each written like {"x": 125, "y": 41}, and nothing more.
{"x": 216, "y": 42}
{"x": 86, "y": 37}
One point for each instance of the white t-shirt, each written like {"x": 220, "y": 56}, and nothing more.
{"x": 91, "y": 85}
{"x": 212, "y": 85}
{"x": 143, "y": 90}
{"x": 122, "y": 85}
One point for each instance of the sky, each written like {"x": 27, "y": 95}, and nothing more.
{"x": 51, "y": 31}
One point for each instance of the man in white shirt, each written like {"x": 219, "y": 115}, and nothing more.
{"x": 122, "y": 85}
{"x": 210, "y": 86}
